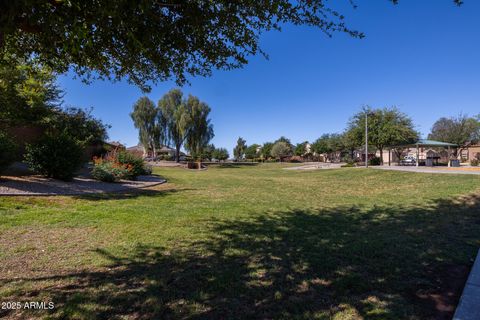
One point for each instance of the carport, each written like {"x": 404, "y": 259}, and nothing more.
{"x": 425, "y": 143}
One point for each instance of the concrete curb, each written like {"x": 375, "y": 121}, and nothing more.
{"x": 120, "y": 189}
{"x": 469, "y": 306}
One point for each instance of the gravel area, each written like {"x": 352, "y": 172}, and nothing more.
{"x": 33, "y": 185}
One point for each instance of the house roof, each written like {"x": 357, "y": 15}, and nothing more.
{"x": 135, "y": 148}
{"x": 434, "y": 143}
{"x": 166, "y": 149}
{"x": 427, "y": 143}
{"x": 115, "y": 143}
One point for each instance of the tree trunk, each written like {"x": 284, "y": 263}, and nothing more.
{"x": 381, "y": 155}
{"x": 177, "y": 153}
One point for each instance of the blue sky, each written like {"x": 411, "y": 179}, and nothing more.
{"x": 421, "y": 56}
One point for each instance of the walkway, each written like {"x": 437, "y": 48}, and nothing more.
{"x": 451, "y": 170}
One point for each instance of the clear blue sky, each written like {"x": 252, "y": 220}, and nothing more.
{"x": 422, "y": 56}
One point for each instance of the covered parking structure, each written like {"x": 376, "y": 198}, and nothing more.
{"x": 425, "y": 143}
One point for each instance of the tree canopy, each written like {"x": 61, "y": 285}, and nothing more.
{"x": 386, "y": 127}
{"x": 266, "y": 151}
{"x": 301, "y": 148}
{"x": 152, "y": 40}
{"x": 146, "y": 120}
{"x": 239, "y": 150}
{"x": 79, "y": 124}
{"x": 175, "y": 119}
{"x": 280, "y": 150}
{"x": 460, "y": 130}
{"x": 330, "y": 144}
{"x": 252, "y": 151}
{"x": 185, "y": 121}
{"x": 199, "y": 127}
{"x": 28, "y": 91}
{"x": 220, "y": 154}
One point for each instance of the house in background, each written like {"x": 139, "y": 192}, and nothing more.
{"x": 114, "y": 145}
{"x": 162, "y": 152}
{"x": 470, "y": 152}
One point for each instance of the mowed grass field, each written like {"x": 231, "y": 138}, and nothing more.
{"x": 253, "y": 242}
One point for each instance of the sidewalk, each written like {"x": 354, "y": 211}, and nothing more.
{"x": 469, "y": 305}
{"x": 451, "y": 170}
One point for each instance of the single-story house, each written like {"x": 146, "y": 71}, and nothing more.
{"x": 163, "y": 151}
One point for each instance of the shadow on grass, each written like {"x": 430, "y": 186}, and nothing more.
{"x": 129, "y": 194}
{"x": 233, "y": 164}
{"x": 350, "y": 262}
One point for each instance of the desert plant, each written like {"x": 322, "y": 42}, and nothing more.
{"x": 136, "y": 162}
{"x": 7, "y": 151}
{"x": 55, "y": 156}
{"x": 110, "y": 171}
{"x": 119, "y": 165}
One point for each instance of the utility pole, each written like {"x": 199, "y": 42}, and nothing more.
{"x": 366, "y": 138}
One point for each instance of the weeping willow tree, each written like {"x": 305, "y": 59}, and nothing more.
{"x": 186, "y": 122}
{"x": 175, "y": 119}
{"x": 200, "y": 127}
{"x": 147, "y": 119}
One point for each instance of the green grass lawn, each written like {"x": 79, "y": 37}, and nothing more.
{"x": 247, "y": 242}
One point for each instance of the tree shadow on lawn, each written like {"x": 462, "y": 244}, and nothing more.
{"x": 232, "y": 165}
{"x": 130, "y": 194}
{"x": 351, "y": 262}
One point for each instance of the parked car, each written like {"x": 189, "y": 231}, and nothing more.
{"x": 408, "y": 161}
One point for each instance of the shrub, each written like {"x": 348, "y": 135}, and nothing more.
{"x": 474, "y": 162}
{"x": 119, "y": 165}
{"x": 109, "y": 171}
{"x": 147, "y": 170}
{"x": 348, "y": 165}
{"x": 55, "y": 156}
{"x": 137, "y": 164}
{"x": 7, "y": 151}
{"x": 375, "y": 161}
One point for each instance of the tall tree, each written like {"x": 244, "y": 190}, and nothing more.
{"x": 287, "y": 141}
{"x": 386, "y": 127}
{"x": 145, "y": 119}
{"x": 266, "y": 150}
{"x": 220, "y": 154}
{"x": 280, "y": 150}
{"x": 461, "y": 130}
{"x": 252, "y": 151}
{"x": 349, "y": 143}
{"x": 208, "y": 152}
{"x": 199, "y": 127}
{"x": 28, "y": 91}
{"x": 175, "y": 119}
{"x": 239, "y": 150}
{"x": 79, "y": 124}
{"x": 329, "y": 144}
{"x": 301, "y": 148}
